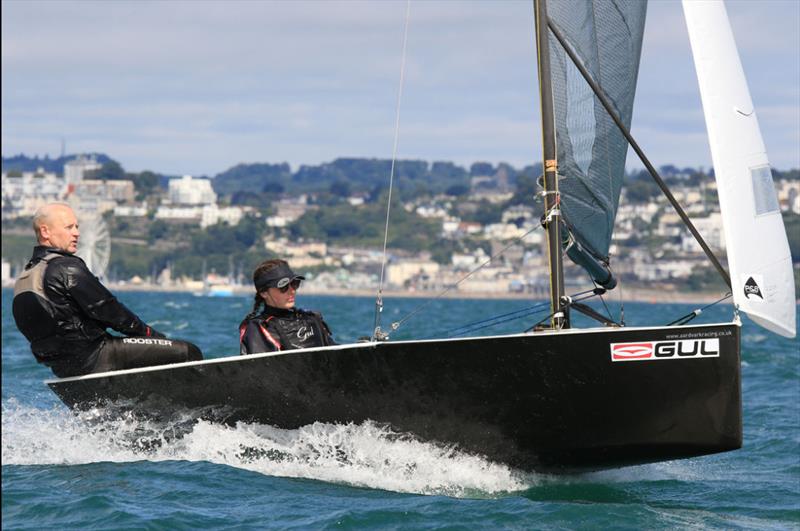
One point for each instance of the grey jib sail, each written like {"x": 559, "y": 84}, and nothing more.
{"x": 606, "y": 35}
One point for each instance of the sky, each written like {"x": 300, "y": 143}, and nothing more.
{"x": 196, "y": 87}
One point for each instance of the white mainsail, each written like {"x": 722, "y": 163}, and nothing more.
{"x": 758, "y": 251}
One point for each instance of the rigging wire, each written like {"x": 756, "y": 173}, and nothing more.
{"x": 497, "y": 319}
{"x": 621, "y": 305}
{"x": 603, "y": 300}
{"x": 578, "y": 297}
{"x": 419, "y": 308}
{"x": 510, "y": 316}
{"x": 690, "y": 316}
{"x": 377, "y": 334}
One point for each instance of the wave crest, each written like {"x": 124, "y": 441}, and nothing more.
{"x": 364, "y": 455}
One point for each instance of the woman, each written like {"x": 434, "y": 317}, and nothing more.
{"x": 280, "y": 326}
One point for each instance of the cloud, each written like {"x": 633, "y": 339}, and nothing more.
{"x": 196, "y": 87}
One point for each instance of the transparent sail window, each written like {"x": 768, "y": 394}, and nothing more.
{"x": 766, "y": 201}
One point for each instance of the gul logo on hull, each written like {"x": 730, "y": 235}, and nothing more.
{"x": 665, "y": 350}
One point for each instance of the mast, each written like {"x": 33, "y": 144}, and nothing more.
{"x": 552, "y": 220}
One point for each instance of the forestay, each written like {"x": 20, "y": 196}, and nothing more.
{"x": 606, "y": 35}
{"x": 758, "y": 251}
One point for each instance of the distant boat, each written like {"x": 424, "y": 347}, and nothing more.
{"x": 217, "y": 290}
{"x": 216, "y": 286}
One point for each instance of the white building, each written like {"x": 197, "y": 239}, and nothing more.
{"x": 628, "y": 212}
{"x": 99, "y": 196}
{"x": 450, "y": 227}
{"x": 180, "y": 213}
{"x": 355, "y": 200}
{"x": 212, "y": 214}
{"x": 466, "y": 262}
{"x": 431, "y": 211}
{"x": 789, "y": 195}
{"x": 92, "y": 204}
{"x": 76, "y": 169}
{"x": 664, "y": 270}
{"x": 121, "y": 191}
{"x": 515, "y": 212}
{"x": 205, "y": 215}
{"x": 134, "y": 211}
{"x": 276, "y": 221}
{"x": 710, "y": 229}
{"x": 503, "y": 231}
{"x": 24, "y": 192}
{"x": 291, "y": 209}
{"x": 190, "y": 191}
{"x": 397, "y": 273}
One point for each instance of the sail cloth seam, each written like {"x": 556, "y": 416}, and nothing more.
{"x": 379, "y": 296}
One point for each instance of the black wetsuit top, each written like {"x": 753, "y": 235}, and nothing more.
{"x": 66, "y": 318}
{"x": 277, "y": 329}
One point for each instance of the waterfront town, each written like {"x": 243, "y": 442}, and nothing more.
{"x": 502, "y": 256}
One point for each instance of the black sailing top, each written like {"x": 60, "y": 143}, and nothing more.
{"x": 64, "y": 310}
{"x": 277, "y": 329}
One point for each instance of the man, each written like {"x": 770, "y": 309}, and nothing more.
{"x": 64, "y": 310}
{"x": 280, "y": 326}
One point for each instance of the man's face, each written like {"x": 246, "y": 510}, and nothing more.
{"x": 60, "y": 229}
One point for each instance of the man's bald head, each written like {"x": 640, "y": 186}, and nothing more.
{"x": 55, "y": 225}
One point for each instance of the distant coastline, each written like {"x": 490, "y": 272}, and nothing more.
{"x": 652, "y": 296}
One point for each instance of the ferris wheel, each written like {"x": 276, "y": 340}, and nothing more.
{"x": 94, "y": 245}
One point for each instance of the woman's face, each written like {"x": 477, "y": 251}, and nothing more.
{"x": 277, "y": 298}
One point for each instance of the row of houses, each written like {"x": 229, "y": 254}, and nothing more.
{"x": 188, "y": 199}
{"x": 521, "y": 266}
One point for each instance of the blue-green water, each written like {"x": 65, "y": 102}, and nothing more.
{"x": 67, "y": 471}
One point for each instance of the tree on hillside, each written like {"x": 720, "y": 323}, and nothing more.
{"x": 158, "y": 230}
{"x": 110, "y": 171}
{"x": 340, "y": 188}
{"x": 526, "y": 191}
{"x": 145, "y": 183}
{"x": 792, "y": 223}
{"x": 641, "y": 191}
{"x": 364, "y": 225}
{"x": 252, "y": 178}
{"x": 449, "y": 171}
{"x": 457, "y": 190}
{"x": 481, "y": 168}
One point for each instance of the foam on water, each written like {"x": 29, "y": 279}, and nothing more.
{"x": 681, "y": 470}
{"x": 176, "y": 305}
{"x": 365, "y": 455}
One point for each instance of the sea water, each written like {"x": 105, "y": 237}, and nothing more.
{"x": 86, "y": 471}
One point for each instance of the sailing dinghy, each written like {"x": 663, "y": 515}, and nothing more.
{"x": 555, "y": 398}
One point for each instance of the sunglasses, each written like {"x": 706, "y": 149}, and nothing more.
{"x": 294, "y": 284}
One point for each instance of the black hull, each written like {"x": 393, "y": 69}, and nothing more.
{"x": 545, "y": 402}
